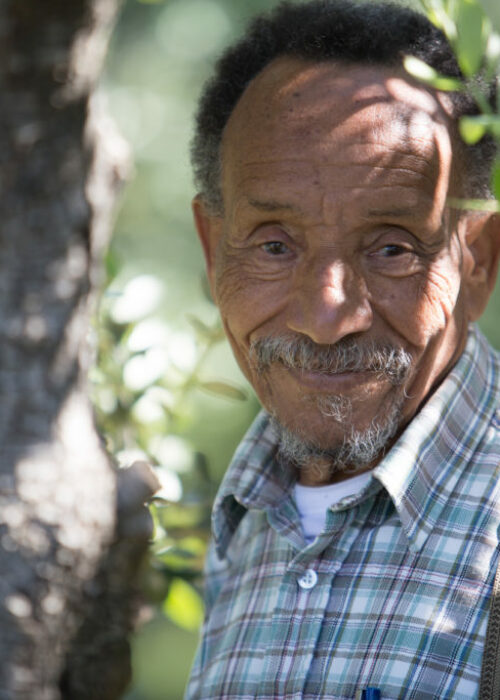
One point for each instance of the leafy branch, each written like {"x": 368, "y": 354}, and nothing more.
{"x": 473, "y": 29}
{"x": 141, "y": 387}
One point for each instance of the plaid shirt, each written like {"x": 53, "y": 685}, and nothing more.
{"x": 393, "y": 594}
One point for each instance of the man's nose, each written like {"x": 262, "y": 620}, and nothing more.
{"x": 329, "y": 301}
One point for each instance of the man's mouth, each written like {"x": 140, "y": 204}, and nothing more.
{"x": 333, "y": 381}
{"x": 344, "y": 360}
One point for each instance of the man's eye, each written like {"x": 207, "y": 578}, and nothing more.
{"x": 392, "y": 250}
{"x": 275, "y": 248}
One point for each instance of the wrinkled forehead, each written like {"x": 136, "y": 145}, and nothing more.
{"x": 327, "y": 106}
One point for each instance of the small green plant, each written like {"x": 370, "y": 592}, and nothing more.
{"x": 473, "y": 30}
{"x": 144, "y": 374}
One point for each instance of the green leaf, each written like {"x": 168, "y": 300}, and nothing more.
{"x": 228, "y": 391}
{"x": 493, "y": 49}
{"x": 183, "y": 605}
{"x": 183, "y": 516}
{"x": 471, "y": 39}
{"x": 200, "y": 327}
{"x": 441, "y": 17}
{"x": 154, "y": 585}
{"x": 112, "y": 265}
{"x": 473, "y": 204}
{"x": 211, "y": 334}
{"x": 495, "y": 180}
{"x": 492, "y": 10}
{"x": 180, "y": 561}
{"x": 493, "y": 124}
{"x": 175, "y": 554}
{"x": 428, "y": 75}
{"x": 490, "y": 123}
{"x": 470, "y": 130}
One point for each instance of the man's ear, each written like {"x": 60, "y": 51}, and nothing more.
{"x": 209, "y": 228}
{"x": 481, "y": 256}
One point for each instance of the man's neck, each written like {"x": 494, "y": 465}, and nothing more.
{"x": 322, "y": 472}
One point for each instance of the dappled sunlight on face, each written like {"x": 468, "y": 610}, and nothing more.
{"x": 335, "y": 182}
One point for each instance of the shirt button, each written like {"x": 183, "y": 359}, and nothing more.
{"x": 308, "y": 579}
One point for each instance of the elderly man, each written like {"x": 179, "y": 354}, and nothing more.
{"x": 355, "y": 534}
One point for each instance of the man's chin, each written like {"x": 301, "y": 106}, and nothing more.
{"x": 336, "y": 440}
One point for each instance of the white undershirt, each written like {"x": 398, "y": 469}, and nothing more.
{"x": 314, "y": 501}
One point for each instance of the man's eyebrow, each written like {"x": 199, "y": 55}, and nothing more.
{"x": 271, "y": 205}
{"x": 392, "y": 213}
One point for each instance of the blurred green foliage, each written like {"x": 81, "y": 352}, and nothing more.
{"x": 473, "y": 29}
{"x": 166, "y": 387}
{"x": 148, "y": 379}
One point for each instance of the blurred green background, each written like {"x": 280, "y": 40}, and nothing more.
{"x": 167, "y": 387}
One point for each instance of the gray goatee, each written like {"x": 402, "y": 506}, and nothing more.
{"x": 359, "y": 447}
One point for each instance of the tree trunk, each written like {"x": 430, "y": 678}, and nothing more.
{"x": 66, "y": 560}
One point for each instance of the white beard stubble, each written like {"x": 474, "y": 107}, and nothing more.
{"x": 358, "y": 448}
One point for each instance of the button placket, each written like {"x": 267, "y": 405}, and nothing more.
{"x": 308, "y": 579}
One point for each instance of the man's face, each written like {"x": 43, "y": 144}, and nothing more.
{"x": 335, "y": 230}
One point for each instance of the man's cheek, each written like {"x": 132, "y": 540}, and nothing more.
{"x": 230, "y": 282}
{"x": 243, "y": 296}
{"x": 438, "y": 306}
{"x": 440, "y": 293}
{"x": 440, "y": 300}
{"x": 422, "y": 306}
{"x": 238, "y": 340}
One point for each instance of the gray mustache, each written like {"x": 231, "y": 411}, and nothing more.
{"x": 347, "y": 355}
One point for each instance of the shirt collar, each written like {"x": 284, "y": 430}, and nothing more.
{"x": 255, "y": 479}
{"x": 420, "y": 470}
{"x": 423, "y": 467}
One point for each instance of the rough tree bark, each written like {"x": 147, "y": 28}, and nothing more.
{"x": 66, "y": 559}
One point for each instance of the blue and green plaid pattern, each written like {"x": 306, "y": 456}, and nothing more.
{"x": 404, "y": 569}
